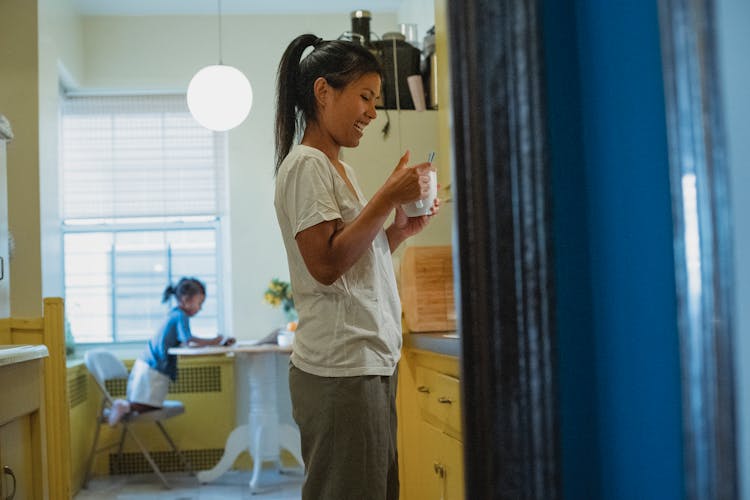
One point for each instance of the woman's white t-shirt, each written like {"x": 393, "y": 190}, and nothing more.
{"x": 353, "y": 326}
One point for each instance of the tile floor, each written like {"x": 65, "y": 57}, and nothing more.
{"x": 232, "y": 485}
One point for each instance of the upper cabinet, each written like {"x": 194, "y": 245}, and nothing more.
{"x": 386, "y": 139}
{"x": 378, "y": 154}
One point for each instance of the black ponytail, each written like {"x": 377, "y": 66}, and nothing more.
{"x": 168, "y": 292}
{"x": 287, "y": 84}
{"x": 339, "y": 62}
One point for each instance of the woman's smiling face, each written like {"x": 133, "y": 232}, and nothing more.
{"x": 348, "y": 111}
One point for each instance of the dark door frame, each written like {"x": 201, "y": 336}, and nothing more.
{"x": 503, "y": 260}
{"x": 504, "y": 263}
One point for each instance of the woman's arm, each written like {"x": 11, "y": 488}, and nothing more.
{"x": 400, "y": 231}
{"x": 404, "y": 226}
{"x": 330, "y": 248}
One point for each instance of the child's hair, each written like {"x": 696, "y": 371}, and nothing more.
{"x": 340, "y": 62}
{"x": 185, "y": 288}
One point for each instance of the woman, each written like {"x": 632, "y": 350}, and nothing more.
{"x": 343, "y": 368}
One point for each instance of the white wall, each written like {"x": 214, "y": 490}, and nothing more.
{"x": 60, "y": 38}
{"x": 733, "y": 40}
{"x": 419, "y": 12}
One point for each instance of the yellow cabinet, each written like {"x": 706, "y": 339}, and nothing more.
{"x": 441, "y": 472}
{"x": 439, "y": 400}
{"x": 22, "y": 465}
{"x": 430, "y": 445}
{"x": 16, "y": 459}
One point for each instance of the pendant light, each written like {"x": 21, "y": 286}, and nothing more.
{"x": 219, "y": 96}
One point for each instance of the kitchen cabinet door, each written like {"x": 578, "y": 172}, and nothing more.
{"x": 430, "y": 473}
{"x": 430, "y": 446}
{"x": 451, "y": 456}
{"x": 441, "y": 475}
{"x": 16, "y": 459}
{"x": 22, "y": 459}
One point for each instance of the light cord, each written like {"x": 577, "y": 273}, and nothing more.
{"x": 221, "y": 58}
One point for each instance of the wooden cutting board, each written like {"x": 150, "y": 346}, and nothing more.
{"x": 426, "y": 288}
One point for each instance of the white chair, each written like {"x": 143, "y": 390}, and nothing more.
{"x": 105, "y": 366}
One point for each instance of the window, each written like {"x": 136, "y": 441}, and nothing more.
{"x": 142, "y": 199}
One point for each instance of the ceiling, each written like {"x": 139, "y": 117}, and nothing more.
{"x": 177, "y": 7}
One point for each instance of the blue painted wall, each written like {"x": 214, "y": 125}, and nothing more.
{"x": 576, "y": 360}
{"x": 616, "y": 309}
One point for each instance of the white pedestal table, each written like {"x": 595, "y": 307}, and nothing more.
{"x": 264, "y": 435}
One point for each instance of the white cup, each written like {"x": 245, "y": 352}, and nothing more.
{"x": 285, "y": 338}
{"x": 423, "y": 206}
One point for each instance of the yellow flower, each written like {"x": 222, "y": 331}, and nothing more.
{"x": 279, "y": 292}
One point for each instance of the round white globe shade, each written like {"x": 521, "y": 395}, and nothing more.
{"x": 219, "y": 97}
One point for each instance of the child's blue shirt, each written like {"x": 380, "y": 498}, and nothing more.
{"x": 175, "y": 331}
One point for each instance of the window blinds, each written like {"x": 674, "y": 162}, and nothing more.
{"x": 138, "y": 156}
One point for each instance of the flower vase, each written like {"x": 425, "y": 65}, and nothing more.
{"x": 291, "y": 315}
{"x": 290, "y": 312}
{"x": 286, "y": 335}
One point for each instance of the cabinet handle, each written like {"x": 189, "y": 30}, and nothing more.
{"x": 444, "y": 400}
{"x": 424, "y": 389}
{"x": 9, "y": 472}
{"x": 439, "y": 469}
{"x": 2, "y": 267}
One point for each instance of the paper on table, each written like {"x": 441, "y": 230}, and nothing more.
{"x": 241, "y": 343}
{"x": 271, "y": 338}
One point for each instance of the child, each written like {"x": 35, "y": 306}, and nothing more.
{"x": 149, "y": 379}
{"x": 343, "y": 370}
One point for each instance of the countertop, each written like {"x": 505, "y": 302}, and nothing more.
{"x": 448, "y": 343}
{"x": 11, "y": 354}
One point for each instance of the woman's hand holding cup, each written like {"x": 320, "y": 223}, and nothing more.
{"x": 428, "y": 194}
{"x": 423, "y": 206}
{"x": 408, "y": 185}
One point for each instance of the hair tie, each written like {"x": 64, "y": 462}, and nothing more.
{"x": 317, "y": 42}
